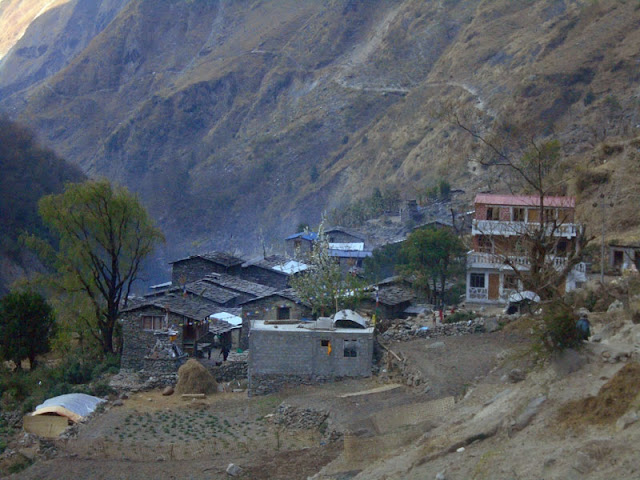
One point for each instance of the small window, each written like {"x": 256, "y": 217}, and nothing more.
{"x": 519, "y": 214}
{"x": 324, "y": 343}
{"x": 152, "y": 322}
{"x": 351, "y": 348}
{"x": 550, "y": 214}
{"x": 477, "y": 280}
{"x": 493, "y": 213}
{"x": 284, "y": 313}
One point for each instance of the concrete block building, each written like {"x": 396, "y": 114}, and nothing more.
{"x": 294, "y": 353}
{"x": 501, "y": 223}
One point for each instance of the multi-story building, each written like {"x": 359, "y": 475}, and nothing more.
{"x": 500, "y": 229}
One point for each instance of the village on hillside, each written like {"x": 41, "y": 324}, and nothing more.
{"x": 221, "y": 305}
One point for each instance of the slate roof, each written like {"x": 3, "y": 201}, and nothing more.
{"x": 345, "y": 230}
{"x": 525, "y": 200}
{"x": 196, "y": 308}
{"x": 221, "y": 258}
{"x": 310, "y": 236}
{"x": 211, "y": 291}
{"x": 237, "y": 284}
{"x": 288, "y": 293}
{"x": 394, "y": 295}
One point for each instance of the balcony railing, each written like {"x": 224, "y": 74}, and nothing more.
{"x": 491, "y": 260}
{"x": 506, "y": 229}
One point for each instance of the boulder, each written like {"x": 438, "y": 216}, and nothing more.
{"x": 491, "y": 324}
{"x": 527, "y": 415}
{"x": 516, "y": 375}
{"x": 616, "y": 306}
{"x": 167, "y": 391}
{"x": 233, "y": 470}
{"x": 625, "y": 420}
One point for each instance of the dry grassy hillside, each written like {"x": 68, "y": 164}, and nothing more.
{"x": 219, "y": 113}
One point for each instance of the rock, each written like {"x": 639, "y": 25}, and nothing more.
{"x": 233, "y": 470}
{"x": 436, "y": 345}
{"x": 596, "y": 338}
{"x": 167, "y": 391}
{"x": 606, "y": 354}
{"x": 584, "y": 463}
{"x": 532, "y": 409}
{"x": 491, "y": 324}
{"x": 441, "y": 476}
{"x": 123, "y": 396}
{"x": 567, "y": 362}
{"x": 516, "y": 375}
{"x": 460, "y": 450}
{"x": 118, "y": 403}
{"x": 625, "y": 420}
{"x": 616, "y": 306}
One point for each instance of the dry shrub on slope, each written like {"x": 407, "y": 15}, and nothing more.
{"x": 611, "y": 402}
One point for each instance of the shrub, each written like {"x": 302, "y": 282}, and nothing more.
{"x": 460, "y": 316}
{"x": 559, "y": 330}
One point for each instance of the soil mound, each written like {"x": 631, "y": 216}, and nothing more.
{"x": 193, "y": 377}
{"x": 612, "y": 401}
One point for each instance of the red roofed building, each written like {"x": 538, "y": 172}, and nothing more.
{"x": 499, "y": 224}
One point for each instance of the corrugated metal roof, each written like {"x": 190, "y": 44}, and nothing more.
{"x": 349, "y": 254}
{"x": 525, "y": 200}
{"x": 351, "y": 247}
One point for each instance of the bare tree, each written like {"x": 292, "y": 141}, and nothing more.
{"x": 533, "y": 166}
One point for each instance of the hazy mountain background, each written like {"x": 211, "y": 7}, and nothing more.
{"x": 237, "y": 120}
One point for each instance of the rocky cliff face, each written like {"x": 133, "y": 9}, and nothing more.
{"x": 219, "y": 113}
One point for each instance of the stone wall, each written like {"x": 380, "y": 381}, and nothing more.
{"x": 230, "y": 371}
{"x": 265, "y": 276}
{"x": 192, "y": 269}
{"x": 264, "y": 384}
{"x": 409, "y": 330}
{"x": 267, "y": 309}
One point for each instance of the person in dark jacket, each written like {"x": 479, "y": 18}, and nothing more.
{"x": 584, "y": 328}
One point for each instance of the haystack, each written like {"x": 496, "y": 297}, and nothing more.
{"x": 195, "y": 378}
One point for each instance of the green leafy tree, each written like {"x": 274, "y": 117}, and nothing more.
{"x": 27, "y": 323}
{"x": 104, "y": 235}
{"x": 323, "y": 285}
{"x": 432, "y": 256}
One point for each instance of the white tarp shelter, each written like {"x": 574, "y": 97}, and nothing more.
{"x": 74, "y": 406}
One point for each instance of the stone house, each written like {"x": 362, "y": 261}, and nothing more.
{"x": 160, "y": 331}
{"x": 390, "y": 300}
{"x": 282, "y": 305}
{"x": 299, "y": 245}
{"x": 273, "y": 271}
{"x": 624, "y": 257}
{"x": 195, "y": 267}
{"x": 282, "y": 354}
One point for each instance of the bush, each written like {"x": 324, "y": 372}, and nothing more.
{"x": 559, "y": 328}
{"x": 460, "y": 316}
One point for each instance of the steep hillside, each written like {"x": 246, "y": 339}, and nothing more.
{"x": 220, "y": 113}
{"x": 27, "y": 172}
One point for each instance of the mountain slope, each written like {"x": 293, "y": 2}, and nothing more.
{"x": 27, "y": 172}
{"x": 217, "y": 113}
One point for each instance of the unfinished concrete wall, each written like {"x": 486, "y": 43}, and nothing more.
{"x": 306, "y": 356}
